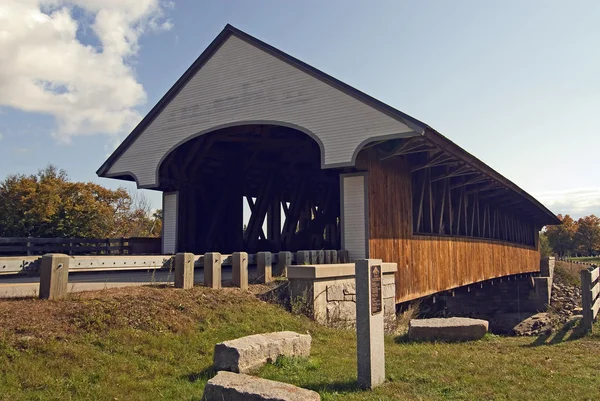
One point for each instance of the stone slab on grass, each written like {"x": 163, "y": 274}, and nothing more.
{"x": 248, "y": 353}
{"x": 240, "y": 387}
{"x": 449, "y": 329}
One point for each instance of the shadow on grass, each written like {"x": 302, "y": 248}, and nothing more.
{"x": 203, "y": 375}
{"x": 349, "y": 386}
{"x": 569, "y": 332}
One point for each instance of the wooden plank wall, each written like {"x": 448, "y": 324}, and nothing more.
{"x": 426, "y": 263}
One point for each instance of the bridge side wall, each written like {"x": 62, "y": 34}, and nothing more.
{"x": 428, "y": 264}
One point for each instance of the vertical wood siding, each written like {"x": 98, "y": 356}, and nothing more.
{"x": 354, "y": 229}
{"x": 169, "y": 234}
{"x": 427, "y": 263}
{"x": 242, "y": 84}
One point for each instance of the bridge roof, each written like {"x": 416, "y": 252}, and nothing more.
{"x": 415, "y": 128}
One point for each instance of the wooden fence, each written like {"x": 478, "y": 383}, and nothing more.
{"x": 590, "y": 295}
{"x": 21, "y": 246}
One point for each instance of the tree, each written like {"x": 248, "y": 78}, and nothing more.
{"x": 47, "y": 204}
{"x": 561, "y": 237}
{"x": 545, "y": 248}
{"x": 587, "y": 237}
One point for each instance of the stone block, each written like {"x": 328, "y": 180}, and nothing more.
{"x": 450, "y": 329}
{"x": 184, "y": 270}
{"x": 389, "y": 291}
{"x": 248, "y": 353}
{"x": 341, "y": 314}
{"x": 337, "y": 292}
{"x": 240, "y": 387}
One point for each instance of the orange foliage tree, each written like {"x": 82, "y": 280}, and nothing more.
{"x": 48, "y": 204}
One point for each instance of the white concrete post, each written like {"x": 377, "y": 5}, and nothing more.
{"x": 239, "y": 271}
{"x": 54, "y": 276}
{"x": 369, "y": 323}
{"x": 212, "y": 269}
{"x": 184, "y": 270}
{"x": 264, "y": 267}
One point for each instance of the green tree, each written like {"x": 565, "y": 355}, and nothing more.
{"x": 545, "y": 248}
{"x": 48, "y": 204}
{"x": 562, "y": 237}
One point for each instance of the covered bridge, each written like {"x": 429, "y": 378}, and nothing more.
{"x": 321, "y": 166}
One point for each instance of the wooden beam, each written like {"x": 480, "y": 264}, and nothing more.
{"x": 439, "y": 159}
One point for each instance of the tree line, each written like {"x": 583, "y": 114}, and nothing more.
{"x": 573, "y": 238}
{"x": 48, "y": 204}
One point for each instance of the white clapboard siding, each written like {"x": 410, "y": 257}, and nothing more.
{"x": 242, "y": 84}
{"x": 354, "y": 223}
{"x": 169, "y": 233}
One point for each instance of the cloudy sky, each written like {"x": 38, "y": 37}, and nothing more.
{"x": 516, "y": 83}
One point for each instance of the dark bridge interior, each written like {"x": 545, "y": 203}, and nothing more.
{"x": 293, "y": 203}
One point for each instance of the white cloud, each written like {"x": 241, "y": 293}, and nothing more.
{"x": 575, "y": 202}
{"x": 45, "y": 68}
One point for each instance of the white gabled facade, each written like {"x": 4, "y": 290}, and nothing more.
{"x": 243, "y": 84}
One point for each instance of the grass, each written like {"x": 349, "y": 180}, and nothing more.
{"x": 157, "y": 343}
{"x": 568, "y": 273}
{"x": 587, "y": 259}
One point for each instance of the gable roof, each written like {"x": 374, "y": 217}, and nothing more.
{"x": 419, "y": 127}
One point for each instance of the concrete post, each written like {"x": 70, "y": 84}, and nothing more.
{"x": 320, "y": 257}
{"x": 303, "y": 258}
{"x": 285, "y": 260}
{"x": 369, "y": 323}
{"x": 54, "y": 276}
{"x": 547, "y": 267}
{"x": 314, "y": 257}
{"x": 212, "y": 270}
{"x": 184, "y": 270}
{"x": 239, "y": 271}
{"x": 330, "y": 257}
{"x": 264, "y": 267}
{"x": 343, "y": 256}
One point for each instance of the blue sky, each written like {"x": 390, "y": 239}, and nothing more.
{"x": 515, "y": 83}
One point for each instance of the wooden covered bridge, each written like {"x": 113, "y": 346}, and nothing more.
{"x": 321, "y": 165}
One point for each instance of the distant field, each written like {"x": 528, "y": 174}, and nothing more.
{"x": 588, "y": 259}
{"x": 149, "y": 343}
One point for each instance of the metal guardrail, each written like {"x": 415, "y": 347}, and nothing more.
{"x": 31, "y": 264}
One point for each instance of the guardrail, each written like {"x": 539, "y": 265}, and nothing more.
{"x": 31, "y": 264}
{"x": 79, "y": 246}
{"x": 590, "y": 295}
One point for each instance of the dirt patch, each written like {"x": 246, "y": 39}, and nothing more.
{"x": 154, "y": 309}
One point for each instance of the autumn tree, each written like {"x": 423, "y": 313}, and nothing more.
{"x": 587, "y": 236}
{"x": 562, "y": 237}
{"x": 48, "y": 204}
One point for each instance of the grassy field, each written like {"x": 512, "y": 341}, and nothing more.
{"x": 157, "y": 343}
{"x": 587, "y": 259}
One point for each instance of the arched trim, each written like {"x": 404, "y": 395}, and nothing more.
{"x": 235, "y": 124}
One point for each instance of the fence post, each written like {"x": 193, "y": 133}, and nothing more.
{"x": 285, "y": 260}
{"x": 184, "y": 270}
{"x": 28, "y": 246}
{"x": 586, "y": 299}
{"x": 212, "y": 270}
{"x": 239, "y": 270}
{"x": 264, "y": 267}
{"x": 54, "y": 276}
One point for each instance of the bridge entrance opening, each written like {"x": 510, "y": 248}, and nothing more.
{"x": 252, "y": 188}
